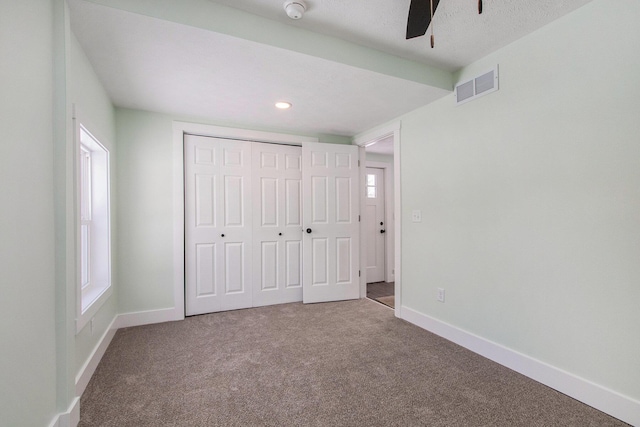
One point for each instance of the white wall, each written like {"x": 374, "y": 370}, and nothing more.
{"x": 530, "y": 199}
{"x": 98, "y": 116}
{"x": 27, "y": 259}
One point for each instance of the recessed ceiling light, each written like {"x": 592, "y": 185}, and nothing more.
{"x": 283, "y": 105}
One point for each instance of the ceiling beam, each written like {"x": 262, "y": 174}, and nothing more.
{"x": 208, "y": 15}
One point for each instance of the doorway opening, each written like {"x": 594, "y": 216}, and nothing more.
{"x": 379, "y": 284}
{"x": 380, "y": 202}
{"x": 382, "y": 292}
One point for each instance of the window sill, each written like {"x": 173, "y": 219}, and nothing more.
{"x": 92, "y": 300}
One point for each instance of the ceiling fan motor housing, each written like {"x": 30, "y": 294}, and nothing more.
{"x": 295, "y": 8}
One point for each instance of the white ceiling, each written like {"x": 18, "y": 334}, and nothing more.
{"x": 462, "y": 35}
{"x": 190, "y": 71}
{"x": 383, "y": 146}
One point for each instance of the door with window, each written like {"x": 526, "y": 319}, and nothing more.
{"x": 375, "y": 224}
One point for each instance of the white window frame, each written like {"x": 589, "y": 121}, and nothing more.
{"x": 96, "y": 215}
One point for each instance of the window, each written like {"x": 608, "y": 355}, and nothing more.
{"x": 85, "y": 214}
{"x": 371, "y": 186}
{"x": 94, "y": 224}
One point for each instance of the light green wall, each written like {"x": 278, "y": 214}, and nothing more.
{"x": 145, "y": 214}
{"x": 530, "y": 199}
{"x": 27, "y": 263}
{"x": 64, "y": 224}
{"x": 41, "y": 353}
{"x": 374, "y": 157}
{"x": 98, "y": 116}
{"x": 334, "y": 139}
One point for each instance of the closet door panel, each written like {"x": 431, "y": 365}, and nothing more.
{"x": 331, "y": 212}
{"x": 277, "y": 231}
{"x": 218, "y": 224}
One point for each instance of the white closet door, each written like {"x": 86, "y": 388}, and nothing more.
{"x": 330, "y": 222}
{"x": 277, "y": 224}
{"x": 218, "y": 224}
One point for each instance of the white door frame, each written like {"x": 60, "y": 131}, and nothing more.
{"x": 179, "y": 129}
{"x": 363, "y": 140}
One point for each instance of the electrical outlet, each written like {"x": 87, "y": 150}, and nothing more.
{"x": 416, "y": 215}
{"x": 440, "y": 294}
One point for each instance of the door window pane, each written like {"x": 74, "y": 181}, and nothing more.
{"x": 371, "y": 192}
{"x": 371, "y": 186}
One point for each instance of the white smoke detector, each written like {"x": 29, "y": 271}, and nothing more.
{"x": 295, "y": 8}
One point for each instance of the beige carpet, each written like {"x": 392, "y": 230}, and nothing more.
{"x": 335, "y": 364}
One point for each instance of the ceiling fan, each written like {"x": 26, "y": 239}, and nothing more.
{"x": 420, "y": 16}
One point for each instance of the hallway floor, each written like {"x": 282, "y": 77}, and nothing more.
{"x": 382, "y": 292}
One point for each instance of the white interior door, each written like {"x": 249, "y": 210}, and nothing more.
{"x": 218, "y": 224}
{"x": 330, "y": 222}
{"x": 375, "y": 225}
{"x": 277, "y": 230}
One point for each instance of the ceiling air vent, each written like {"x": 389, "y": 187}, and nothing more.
{"x": 479, "y": 86}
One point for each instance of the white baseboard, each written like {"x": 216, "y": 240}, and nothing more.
{"x": 148, "y": 317}
{"x": 601, "y": 398}
{"x": 71, "y": 418}
{"x": 120, "y": 321}
{"x": 87, "y": 370}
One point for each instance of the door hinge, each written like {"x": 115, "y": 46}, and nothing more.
{"x": 358, "y": 163}
{"x": 358, "y": 218}
{"x": 358, "y": 273}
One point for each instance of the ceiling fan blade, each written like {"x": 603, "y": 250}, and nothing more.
{"x": 419, "y": 17}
